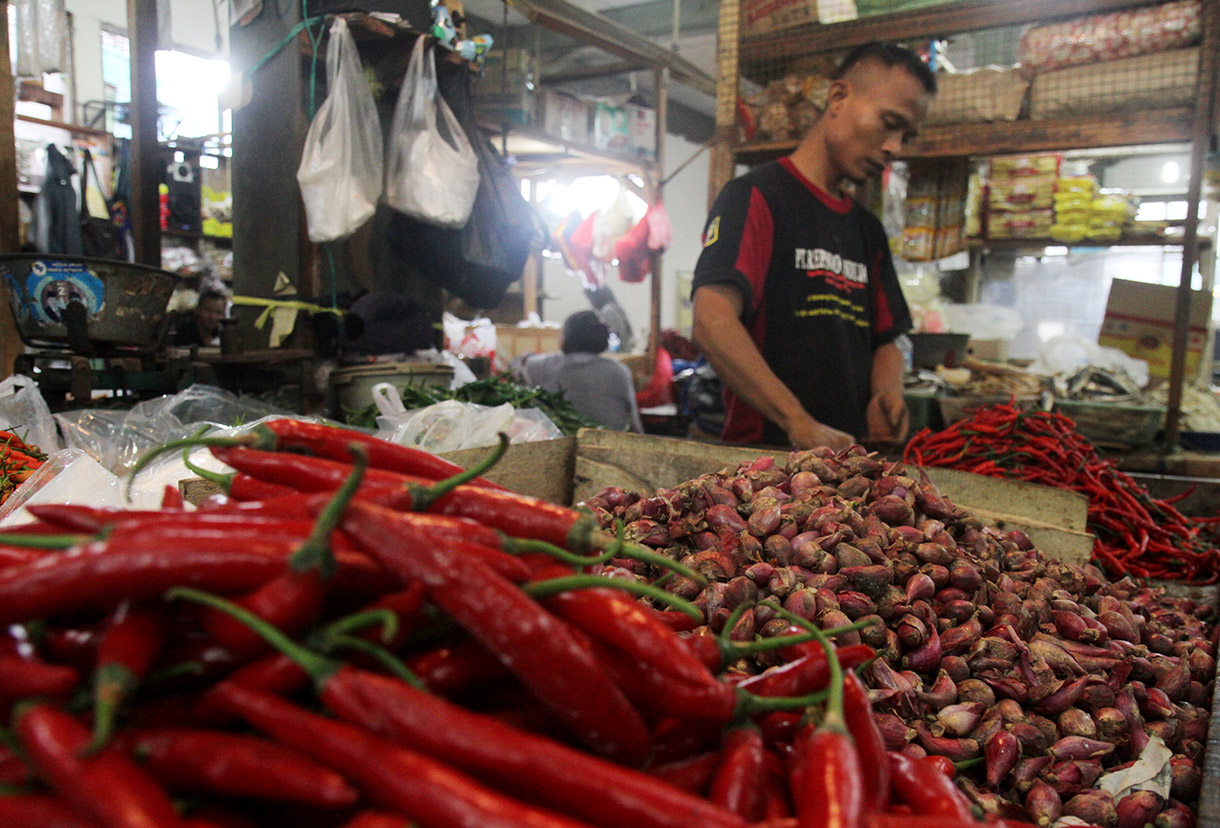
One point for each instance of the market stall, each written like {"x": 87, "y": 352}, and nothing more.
{"x": 1041, "y": 688}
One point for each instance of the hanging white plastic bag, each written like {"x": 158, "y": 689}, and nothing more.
{"x": 432, "y": 172}
{"x": 341, "y": 170}
{"x": 24, "y": 412}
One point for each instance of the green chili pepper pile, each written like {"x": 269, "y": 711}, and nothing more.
{"x": 491, "y": 391}
{"x": 1136, "y": 533}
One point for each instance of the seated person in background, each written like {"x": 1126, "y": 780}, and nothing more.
{"x": 596, "y": 386}
{"x": 202, "y": 325}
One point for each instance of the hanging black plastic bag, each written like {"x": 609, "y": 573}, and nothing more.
{"x": 478, "y": 262}
{"x": 101, "y": 238}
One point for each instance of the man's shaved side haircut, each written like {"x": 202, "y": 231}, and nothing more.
{"x": 889, "y": 55}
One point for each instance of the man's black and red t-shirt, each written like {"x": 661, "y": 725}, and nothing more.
{"x": 820, "y": 293}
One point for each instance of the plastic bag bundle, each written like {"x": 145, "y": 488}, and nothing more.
{"x": 341, "y": 170}
{"x": 432, "y": 171}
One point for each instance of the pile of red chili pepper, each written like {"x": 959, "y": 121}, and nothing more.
{"x": 1136, "y": 533}
{"x": 18, "y": 460}
{"x": 356, "y": 636}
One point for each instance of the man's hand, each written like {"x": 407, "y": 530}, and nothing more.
{"x": 888, "y": 418}
{"x": 809, "y": 433}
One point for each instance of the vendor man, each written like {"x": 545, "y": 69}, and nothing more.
{"x": 796, "y": 303}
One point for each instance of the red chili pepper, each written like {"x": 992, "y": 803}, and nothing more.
{"x": 693, "y": 775}
{"x": 623, "y": 623}
{"x": 675, "y": 738}
{"x": 824, "y": 770}
{"x": 569, "y": 780}
{"x": 214, "y": 763}
{"x": 333, "y": 443}
{"x": 125, "y": 653}
{"x": 377, "y": 819}
{"x": 106, "y": 787}
{"x": 171, "y": 498}
{"x": 97, "y": 576}
{"x": 15, "y": 556}
{"x": 738, "y": 783}
{"x": 928, "y": 791}
{"x": 40, "y": 811}
{"x": 457, "y": 668}
{"x": 23, "y": 674}
{"x": 805, "y": 675}
{"x": 422, "y": 788}
{"x": 676, "y": 621}
{"x": 544, "y": 652}
{"x": 870, "y": 744}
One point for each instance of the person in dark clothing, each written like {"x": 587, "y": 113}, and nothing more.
{"x": 598, "y": 387}
{"x": 201, "y": 327}
{"x": 796, "y": 302}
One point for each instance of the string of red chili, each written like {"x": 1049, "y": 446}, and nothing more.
{"x": 1136, "y": 534}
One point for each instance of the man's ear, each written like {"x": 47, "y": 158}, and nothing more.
{"x": 837, "y": 92}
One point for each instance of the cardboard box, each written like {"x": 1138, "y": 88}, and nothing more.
{"x": 762, "y": 16}
{"x": 506, "y": 72}
{"x": 642, "y": 130}
{"x": 565, "y": 117}
{"x": 1139, "y": 322}
{"x": 513, "y": 341}
{"x": 610, "y": 130}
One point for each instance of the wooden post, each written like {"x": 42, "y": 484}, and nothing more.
{"x": 722, "y": 162}
{"x": 1200, "y": 141}
{"x": 268, "y": 135}
{"x": 145, "y": 150}
{"x": 660, "y": 87}
{"x": 10, "y": 343}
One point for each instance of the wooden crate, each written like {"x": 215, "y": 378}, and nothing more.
{"x": 572, "y": 469}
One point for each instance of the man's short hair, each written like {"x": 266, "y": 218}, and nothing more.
{"x": 889, "y": 54}
{"x": 585, "y": 333}
{"x": 212, "y": 294}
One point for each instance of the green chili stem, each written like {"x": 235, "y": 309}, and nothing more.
{"x": 779, "y": 642}
{"x": 197, "y": 439}
{"x": 554, "y": 586}
{"x": 749, "y": 705}
{"x": 519, "y": 546}
{"x": 315, "y": 552}
{"x": 186, "y": 668}
{"x": 44, "y": 541}
{"x": 221, "y": 480}
{"x": 642, "y": 553}
{"x": 318, "y": 666}
{"x": 834, "y": 718}
{"x": 423, "y": 496}
{"x": 382, "y": 655}
{"x": 358, "y": 621}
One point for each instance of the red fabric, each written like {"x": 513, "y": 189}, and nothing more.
{"x": 659, "y": 389}
{"x": 631, "y": 250}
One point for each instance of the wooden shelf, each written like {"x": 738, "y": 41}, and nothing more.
{"x": 760, "y": 52}
{"x": 534, "y": 149}
{"x": 1165, "y": 126}
{"x": 1125, "y": 241}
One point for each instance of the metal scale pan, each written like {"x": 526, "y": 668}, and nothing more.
{"x": 87, "y": 306}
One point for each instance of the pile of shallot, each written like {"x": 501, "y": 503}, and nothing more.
{"x": 1042, "y": 680}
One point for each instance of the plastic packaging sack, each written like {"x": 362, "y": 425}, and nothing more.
{"x": 1066, "y": 354}
{"x": 341, "y": 172}
{"x": 432, "y": 171}
{"x": 42, "y": 34}
{"x": 117, "y": 439}
{"x": 24, "y": 412}
{"x": 68, "y": 476}
{"x": 451, "y": 425}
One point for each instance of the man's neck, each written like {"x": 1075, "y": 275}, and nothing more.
{"x": 813, "y": 163}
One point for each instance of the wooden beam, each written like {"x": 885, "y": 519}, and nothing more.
{"x": 75, "y": 129}
{"x": 939, "y": 21}
{"x": 657, "y": 283}
{"x": 1166, "y": 126}
{"x": 723, "y": 162}
{"x": 145, "y": 151}
{"x": 10, "y": 342}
